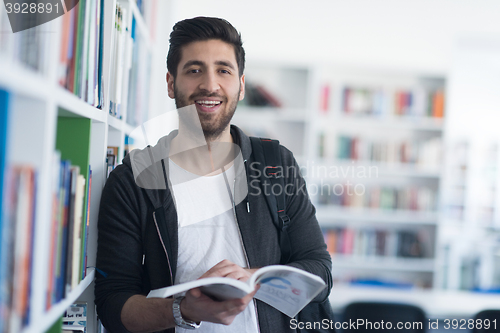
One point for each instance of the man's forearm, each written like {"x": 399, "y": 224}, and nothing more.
{"x": 141, "y": 314}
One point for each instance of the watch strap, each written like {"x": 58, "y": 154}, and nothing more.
{"x": 179, "y": 321}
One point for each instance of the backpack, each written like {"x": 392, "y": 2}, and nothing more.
{"x": 267, "y": 153}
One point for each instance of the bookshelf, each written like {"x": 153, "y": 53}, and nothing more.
{"x": 52, "y": 102}
{"x": 389, "y": 126}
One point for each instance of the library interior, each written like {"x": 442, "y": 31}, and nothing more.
{"x": 388, "y": 106}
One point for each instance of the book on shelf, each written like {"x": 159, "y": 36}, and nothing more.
{"x": 85, "y": 227}
{"x": 417, "y": 102}
{"x": 111, "y": 159}
{"x": 139, "y": 77}
{"x": 384, "y": 198}
{"x": 129, "y": 144}
{"x": 80, "y": 55}
{"x": 62, "y": 230}
{"x": 324, "y": 98}
{"x": 76, "y": 256}
{"x": 286, "y": 288}
{"x": 68, "y": 230}
{"x": 371, "y": 242}
{"x": 421, "y": 153}
{"x": 4, "y": 126}
{"x": 75, "y": 318}
{"x": 260, "y": 96}
{"x": 18, "y": 229}
{"x": 121, "y": 48}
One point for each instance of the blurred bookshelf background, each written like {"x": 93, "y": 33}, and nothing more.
{"x": 391, "y": 109}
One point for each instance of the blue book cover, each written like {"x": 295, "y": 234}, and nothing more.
{"x": 63, "y": 233}
{"x": 4, "y": 112}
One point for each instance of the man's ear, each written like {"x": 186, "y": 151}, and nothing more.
{"x": 170, "y": 85}
{"x": 242, "y": 87}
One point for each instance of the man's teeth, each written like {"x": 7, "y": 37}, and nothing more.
{"x": 209, "y": 104}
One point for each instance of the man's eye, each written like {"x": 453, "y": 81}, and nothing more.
{"x": 225, "y": 71}
{"x": 194, "y": 71}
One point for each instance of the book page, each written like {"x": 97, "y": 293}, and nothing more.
{"x": 218, "y": 287}
{"x": 222, "y": 292}
{"x": 286, "y": 288}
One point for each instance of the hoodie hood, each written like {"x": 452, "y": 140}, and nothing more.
{"x": 150, "y": 166}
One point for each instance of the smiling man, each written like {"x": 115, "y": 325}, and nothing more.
{"x": 185, "y": 216}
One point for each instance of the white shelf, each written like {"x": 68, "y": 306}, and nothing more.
{"x": 115, "y": 123}
{"x": 379, "y": 263}
{"x": 31, "y": 84}
{"x": 24, "y": 81}
{"x": 435, "y": 303}
{"x": 330, "y": 215}
{"x": 73, "y": 106}
{"x": 397, "y": 123}
{"x": 271, "y": 114}
{"x": 383, "y": 169}
{"x": 57, "y": 310}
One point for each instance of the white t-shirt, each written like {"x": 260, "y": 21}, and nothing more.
{"x": 208, "y": 234}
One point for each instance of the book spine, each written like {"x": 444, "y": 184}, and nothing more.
{"x": 77, "y": 231}
{"x": 86, "y": 226}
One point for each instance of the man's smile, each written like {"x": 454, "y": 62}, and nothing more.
{"x": 208, "y": 105}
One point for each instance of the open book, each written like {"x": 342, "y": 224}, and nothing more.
{"x": 286, "y": 288}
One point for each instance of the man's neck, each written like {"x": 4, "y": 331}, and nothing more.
{"x": 200, "y": 156}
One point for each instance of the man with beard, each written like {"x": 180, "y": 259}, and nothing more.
{"x": 187, "y": 214}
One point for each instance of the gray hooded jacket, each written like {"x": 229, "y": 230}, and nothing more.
{"x": 137, "y": 244}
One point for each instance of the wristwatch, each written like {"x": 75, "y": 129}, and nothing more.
{"x": 179, "y": 321}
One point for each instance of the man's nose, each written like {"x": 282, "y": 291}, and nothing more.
{"x": 210, "y": 82}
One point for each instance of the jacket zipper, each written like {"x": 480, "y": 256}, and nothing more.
{"x": 244, "y": 250}
{"x": 164, "y": 248}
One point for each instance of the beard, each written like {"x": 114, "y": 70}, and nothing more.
{"x": 212, "y": 125}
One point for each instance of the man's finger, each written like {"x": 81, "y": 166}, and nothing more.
{"x": 195, "y": 292}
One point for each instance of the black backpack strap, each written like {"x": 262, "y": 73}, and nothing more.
{"x": 267, "y": 153}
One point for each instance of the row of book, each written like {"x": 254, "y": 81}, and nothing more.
{"x": 68, "y": 229}
{"x": 139, "y": 79}
{"x": 81, "y": 52}
{"x": 415, "y": 198}
{"x": 424, "y": 153}
{"x": 382, "y": 243}
{"x": 417, "y": 102}
{"x": 17, "y": 231}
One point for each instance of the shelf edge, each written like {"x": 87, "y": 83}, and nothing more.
{"x": 57, "y": 310}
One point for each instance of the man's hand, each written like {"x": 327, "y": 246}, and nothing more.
{"x": 197, "y": 306}
{"x": 226, "y": 268}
